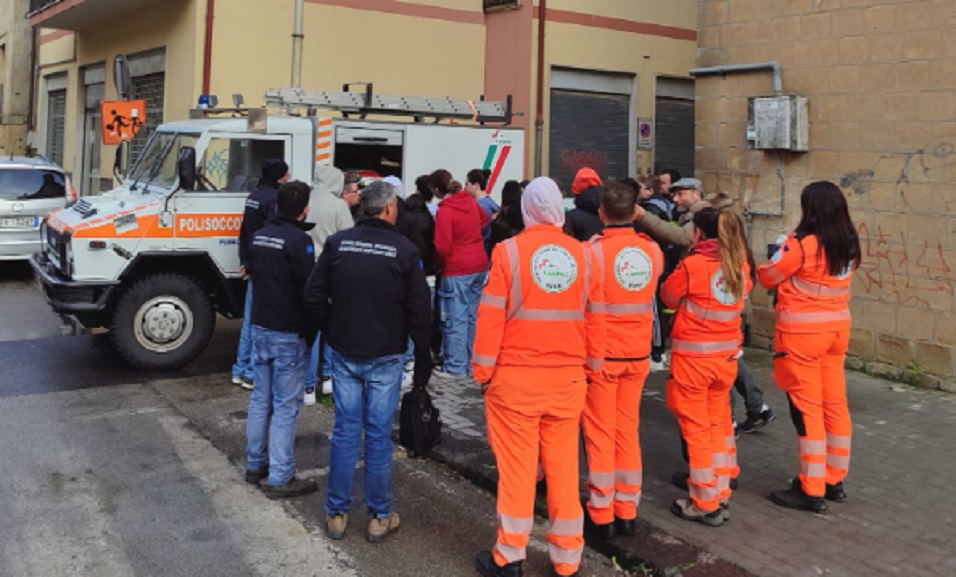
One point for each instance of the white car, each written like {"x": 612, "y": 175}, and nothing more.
{"x": 30, "y": 188}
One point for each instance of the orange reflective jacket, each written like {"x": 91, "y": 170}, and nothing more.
{"x": 809, "y": 298}
{"x": 542, "y": 306}
{"x": 630, "y": 264}
{"x": 707, "y": 322}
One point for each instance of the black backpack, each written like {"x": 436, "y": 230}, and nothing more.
{"x": 420, "y": 422}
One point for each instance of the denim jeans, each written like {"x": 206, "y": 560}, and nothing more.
{"x": 314, "y": 357}
{"x": 366, "y": 396}
{"x": 459, "y": 309}
{"x": 746, "y": 386}
{"x": 243, "y": 367}
{"x": 280, "y": 360}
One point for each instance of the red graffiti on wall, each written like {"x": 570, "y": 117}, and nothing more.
{"x": 889, "y": 269}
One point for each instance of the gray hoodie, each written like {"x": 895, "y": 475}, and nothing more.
{"x": 327, "y": 210}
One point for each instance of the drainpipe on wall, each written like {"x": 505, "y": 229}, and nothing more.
{"x": 30, "y": 144}
{"x": 207, "y": 49}
{"x": 297, "y": 36}
{"x": 539, "y": 113}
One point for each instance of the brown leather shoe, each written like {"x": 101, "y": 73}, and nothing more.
{"x": 335, "y": 525}
{"x": 379, "y": 529}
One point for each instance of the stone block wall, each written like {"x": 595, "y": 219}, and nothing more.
{"x": 880, "y": 76}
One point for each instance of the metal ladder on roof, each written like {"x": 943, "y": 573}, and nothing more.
{"x": 367, "y": 103}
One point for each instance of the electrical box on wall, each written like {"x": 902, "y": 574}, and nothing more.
{"x": 779, "y": 123}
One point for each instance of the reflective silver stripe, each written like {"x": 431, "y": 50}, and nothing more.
{"x": 774, "y": 274}
{"x": 586, "y": 288}
{"x": 730, "y": 442}
{"x": 512, "y": 247}
{"x": 666, "y": 295}
{"x": 704, "y": 347}
{"x": 511, "y": 554}
{"x": 631, "y": 309}
{"x": 601, "y": 480}
{"x": 723, "y": 483}
{"x": 515, "y": 525}
{"x": 838, "y": 441}
{"x": 841, "y": 462}
{"x": 719, "y": 460}
{"x": 629, "y": 477}
{"x": 628, "y": 497}
{"x": 595, "y": 364}
{"x": 566, "y": 556}
{"x": 702, "y": 476}
{"x": 601, "y": 501}
{"x": 824, "y": 317}
{"x": 493, "y": 301}
{"x": 704, "y": 493}
{"x": 813, "y": 469}
{"x": 595, "y": 307}
{"x": 815, "y": 289}
{"x": 483, "y": 360}
{"x": 567, "y": 527}
{"x": 548, "y": 315}
{"x": 701, "y": 312}
{"x": 812, "y": 447}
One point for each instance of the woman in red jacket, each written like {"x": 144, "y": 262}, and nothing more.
{"x": 707, "y": 289}
{"x": 812, "y": 272}
{"x": 460, "y": 252}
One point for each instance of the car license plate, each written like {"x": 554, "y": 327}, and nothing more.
{"x": 20, "y": 222}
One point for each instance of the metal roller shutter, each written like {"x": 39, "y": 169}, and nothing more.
{"x": 588, "y": 129}
{"x": 55, "y": 125}
{"x": 675, "y": 135}
{"x": 151, "y": 88}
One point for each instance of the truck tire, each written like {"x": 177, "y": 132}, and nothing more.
{"x": 162, "y": 322}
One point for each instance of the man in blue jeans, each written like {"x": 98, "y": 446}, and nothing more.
{"x": 281, "y": 257}
{"x": 368, "y": 293}
{"x": 260, "y": 207}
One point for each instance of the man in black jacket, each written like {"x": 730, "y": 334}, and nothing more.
{"x": 583, "y": 221}
{"x": 368, "y": 293}
{"x": 260, "y": 207}
{"x": 281, "y": 257}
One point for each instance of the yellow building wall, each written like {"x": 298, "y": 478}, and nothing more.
{"x": 678, "y": 13}
{"x": 171, "y": 25}
{"x": 399, "y": 54}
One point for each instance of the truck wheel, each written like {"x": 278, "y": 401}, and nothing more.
{"x": 162, "y": 322}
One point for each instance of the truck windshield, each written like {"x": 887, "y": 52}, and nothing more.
{"x": 156, "y": 166}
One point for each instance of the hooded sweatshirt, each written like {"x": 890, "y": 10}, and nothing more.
{"x": 327, "y": 211}
{"x": 583, "y": 222}
{"x": 459, "y": 247}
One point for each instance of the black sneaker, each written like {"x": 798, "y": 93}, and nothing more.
{"x": 626, "y": 527}
{"x": 294, "y": 488}
{"x": 485, "y": 564}
{"x": 795, "y": 498}
{"x": 834, "y": 493}
{"x": 256, "y": 476}
{"x": 758, "y": 421}
{"x": 679, "y": 480}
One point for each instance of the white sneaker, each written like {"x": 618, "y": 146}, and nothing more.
{"x": 657, "y": 366}
{"x": 327, "y": 386}
{"x": 310, "y": 395}
{"x": 247, "y": 384}
{"x": 236, "y": 380}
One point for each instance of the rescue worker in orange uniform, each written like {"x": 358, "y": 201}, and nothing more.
{"x": 541, "y": 335}
{"x": 707, "y": 289}
{"x": 631, "y": 265}
{"x": 811, "y": 273}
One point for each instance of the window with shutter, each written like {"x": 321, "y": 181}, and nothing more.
{"x": 55, "y": 125}
{"x": 151, "y": 88}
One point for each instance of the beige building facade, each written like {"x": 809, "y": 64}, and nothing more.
{"x": 880, "y": 79}
{"x": 610, "y": 68}
{"x": 16, "y": 62}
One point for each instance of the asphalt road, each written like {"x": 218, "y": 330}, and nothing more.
{"x": 114, "y": 472}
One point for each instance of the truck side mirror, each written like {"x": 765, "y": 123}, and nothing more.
{"x": 121, "y": 161}
{"x": 187, "y": 168}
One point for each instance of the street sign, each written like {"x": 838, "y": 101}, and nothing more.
{"x": 122, "y": 119}
{"x": 645, "y": 133}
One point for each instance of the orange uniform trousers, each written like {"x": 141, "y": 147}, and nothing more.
{"x": 611, "y": 419}
{"x": 809, "y": 367}
{"x": 697, "y": 392}
{"x": 535, "y": 413}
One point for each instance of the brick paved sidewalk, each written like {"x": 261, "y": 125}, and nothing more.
{"x": 899, "y": 519}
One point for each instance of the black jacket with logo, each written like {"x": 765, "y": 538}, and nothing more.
{"x": 281, "y": 257}
{"x": 260, "y": 207}
{"x": 368, "y": 292}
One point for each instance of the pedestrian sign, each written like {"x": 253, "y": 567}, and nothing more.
{"x": 122, "y": 119}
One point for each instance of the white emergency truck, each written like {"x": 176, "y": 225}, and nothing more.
{"x": 155, "y": 259}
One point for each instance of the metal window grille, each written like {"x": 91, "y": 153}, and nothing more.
{"x": 492, "y": 5}
{"x": 151, "y": 88}
{"x": 55, "y": 125}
